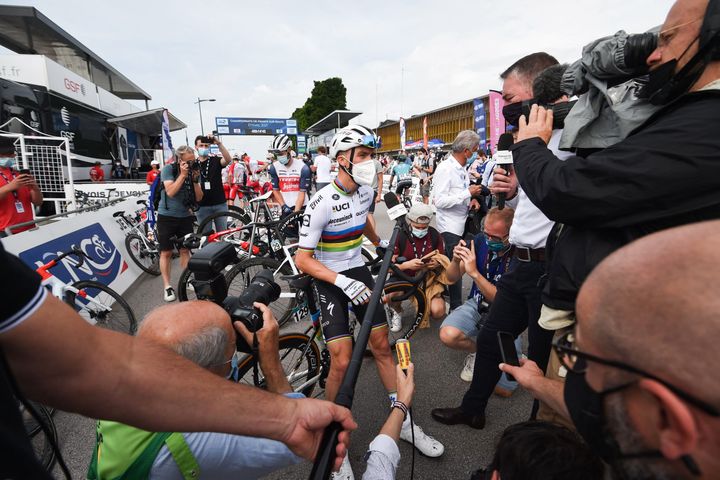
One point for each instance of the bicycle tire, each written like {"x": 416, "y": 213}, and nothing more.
{"x": 413, "y": 310}
{"x": 123, "y": 321}
{"x": 38, "y": 436}
{"x": 137, "y": 249}
{"x": 291, "y": 224}
{"x": 233, "y": 218}
{"x": 239, "y": 277}
{"x": 299, "y": 363}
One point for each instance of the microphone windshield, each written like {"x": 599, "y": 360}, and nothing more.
{"x": 395, "y": 208}
{"x": 505, "y": 141}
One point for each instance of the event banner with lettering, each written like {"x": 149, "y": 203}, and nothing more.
{"x": 497, "y": 120}
{"x": 255, "y": 126}
{"x": 402, "y": 133}
{"x": 479, "y": 121}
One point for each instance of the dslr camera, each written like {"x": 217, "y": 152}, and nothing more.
{"x": 208, "y": 268}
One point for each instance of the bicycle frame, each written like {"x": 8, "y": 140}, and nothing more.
{"x": 60, "y": 289}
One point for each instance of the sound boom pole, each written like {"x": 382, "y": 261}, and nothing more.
{"x": 326, "y": 451}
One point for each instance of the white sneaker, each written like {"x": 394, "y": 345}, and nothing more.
{"x": 395, "y": 320}
{"x": 469, "y": 368}
{"x": 425, "y": 444}
{"x": 169, "y": 294}
{"x": 345, "y": 472}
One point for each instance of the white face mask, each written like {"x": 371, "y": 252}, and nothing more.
{"x": 363, "y": 173}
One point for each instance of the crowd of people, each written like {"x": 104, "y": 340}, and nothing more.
{"x": 598, "y": 241}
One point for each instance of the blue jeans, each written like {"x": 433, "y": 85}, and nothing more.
{"x": 468, "y": 320}
{"x": 220, "y": 223}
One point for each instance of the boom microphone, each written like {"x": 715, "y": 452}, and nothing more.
{"x": 396, "y": 211}
{"x": 504, "y": 158}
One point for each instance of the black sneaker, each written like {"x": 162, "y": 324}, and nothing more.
{"x": 169, "y": 294}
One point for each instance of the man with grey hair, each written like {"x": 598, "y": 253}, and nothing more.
{"x": 203, "y": 333}
{"x": 452, "y": 197}
{"x": 517, "y": 304}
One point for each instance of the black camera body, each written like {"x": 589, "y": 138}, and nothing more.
{"x": 208, "y": 267}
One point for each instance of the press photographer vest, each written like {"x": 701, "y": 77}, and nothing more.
{"x": 123, "y": 452}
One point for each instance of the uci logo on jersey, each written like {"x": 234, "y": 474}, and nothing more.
{"x": 340, "y": 208}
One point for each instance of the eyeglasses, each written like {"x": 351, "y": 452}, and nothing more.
{"x": 492, "y": 238}
{"x": 576, "y": 361}
{"x": 368, "y": 141}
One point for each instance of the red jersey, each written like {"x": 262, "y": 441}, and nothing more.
{"x": 97, "y": 174}
{"x": 151, "y": 176}
{"x": 15, "y": 207}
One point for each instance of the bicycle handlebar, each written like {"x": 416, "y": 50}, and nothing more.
{"x": 77, "y": 252}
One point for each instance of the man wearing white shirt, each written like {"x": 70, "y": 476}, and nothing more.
{"x": 321, "y": 167}
{"x": 452, "y": 198}
{"x": 517, "y": 301}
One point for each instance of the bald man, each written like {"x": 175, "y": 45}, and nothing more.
{"x": 646, "y": 344}
{"x": 203, "y": 333}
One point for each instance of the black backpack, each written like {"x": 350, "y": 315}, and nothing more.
{"x": 158, "y": 187}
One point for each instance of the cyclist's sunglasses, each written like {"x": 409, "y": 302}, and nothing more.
{"x": 368, "y": 141}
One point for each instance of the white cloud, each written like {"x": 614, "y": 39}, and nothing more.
{"x": 260, "y": 58}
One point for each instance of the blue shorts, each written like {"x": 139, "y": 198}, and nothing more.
{"x": 466, "y": 318}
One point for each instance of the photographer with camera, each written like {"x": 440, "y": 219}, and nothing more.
{"x": 203, "y": 333}
{"x": 211, "y": 183}
{"x": 179, "y": 196}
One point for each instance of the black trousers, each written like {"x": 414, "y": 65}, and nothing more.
{"x": 516, "y": 307}
{"x": 451, "y": 240}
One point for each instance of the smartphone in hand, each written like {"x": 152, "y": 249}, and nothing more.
{"x": 508, "y": 351}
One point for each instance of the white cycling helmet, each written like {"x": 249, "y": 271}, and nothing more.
{"x": 350, "y": 137}
{"x": 280, "y": 143}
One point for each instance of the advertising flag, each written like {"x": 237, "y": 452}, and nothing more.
{"x": 479, "y": 122}
{"x": 402, "y": 134}
{"x": 497, "y": 120}
{"x": 425, "y": 133}
{"x": 166, "y": 140}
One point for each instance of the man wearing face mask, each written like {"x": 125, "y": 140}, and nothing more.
{"x": 211, "y": 182}
{"x": 18, "y": 191}
{"x": 289, "y": 175}
{"x": 330, "y": 251}
{"x": 452, "y": 197}
{"x": 517, "y": 304}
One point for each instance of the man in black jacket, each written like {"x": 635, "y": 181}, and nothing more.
{"x": 664, "y": 174}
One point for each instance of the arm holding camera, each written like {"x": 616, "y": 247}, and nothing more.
{"x": 267, "y": 349}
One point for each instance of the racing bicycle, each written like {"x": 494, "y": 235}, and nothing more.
{"x": 97, "y": 303}
{"x": 140, "y": 239}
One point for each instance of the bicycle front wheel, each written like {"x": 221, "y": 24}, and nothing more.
{"x": 100, "y": 305}
{"x": 144, "y": 253}
{"x": 233, "y": 218}
{"x": 411, "y": 310}
{"x": 242, "y": 274}
{"x": 300, "y": 360}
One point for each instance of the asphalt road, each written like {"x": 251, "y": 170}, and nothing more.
{"x": 438, "y": 384}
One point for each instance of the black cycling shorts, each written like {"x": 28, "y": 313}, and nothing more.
{"x": 169, "y": 227}
{"x": 334, "y": 317}
{"x": 401, "y": 186}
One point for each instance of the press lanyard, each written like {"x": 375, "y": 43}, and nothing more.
{"x": 15, "y": 194}
{"x": 412, "y": 244}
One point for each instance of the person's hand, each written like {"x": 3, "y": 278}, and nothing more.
{"x": 504, "y": 182}
{"x": 267, "y": 334}
{"x": 432, "y": 264}
{"x": 468, "y": 257}
{"x": 527, "y": 374}
{"x": 355, "y": 290}
{"x": 456, "y": 249}
{"x": 378, "y": 199}
{"x": 307, "y": 423}
{"x": 539, "y": 124}
{"x": 405, "y": 384}
{"x": 23, "y": 180}
{"x": 475, "y": 190}
{"x": 414, "y": 264}
{"x": 184, "y": 168}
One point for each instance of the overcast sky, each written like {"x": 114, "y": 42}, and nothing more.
{"x": 259, "y": 59}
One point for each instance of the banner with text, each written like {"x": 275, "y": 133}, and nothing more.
{"x": 255, "y": 126}
{"x": 479, "y": 121}
{"x": 497, "y": 120}
{"x": 402, "y": 133}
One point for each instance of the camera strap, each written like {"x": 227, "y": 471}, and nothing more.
{"x": 256, "y": 356}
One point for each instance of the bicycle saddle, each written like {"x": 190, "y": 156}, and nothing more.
{"x": 264, "y": 196}
{"x": 118, "y": 214}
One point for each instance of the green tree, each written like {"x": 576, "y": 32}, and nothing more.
{"x": 326, "y": 96}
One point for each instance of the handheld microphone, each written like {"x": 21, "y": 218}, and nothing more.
{"x": 504, "y": 158}
{"x": 397, "y": 212}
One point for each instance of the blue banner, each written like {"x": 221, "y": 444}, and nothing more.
{"x": 480, "y": 128}
{"x": 103, "y": 263}
{"x": 255, "y": 126}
